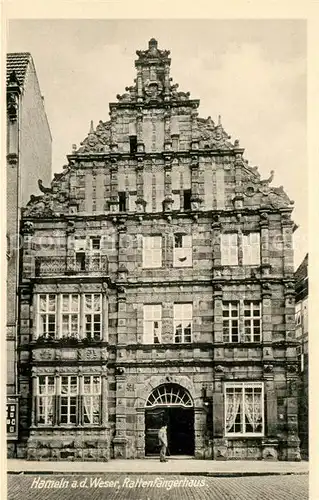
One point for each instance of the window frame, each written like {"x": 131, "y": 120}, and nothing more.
{"x": 153, "y": 317}
{"x": 47, "y": 313}
{"x": 70, "y": 314}
{"x": 92, "y": 313}
{"x": 243, "y": 386}
{"x": 186, "y": 249}
{"x": 148, "y": 260}
{"x": 229, "y": 252}
{"x": 77, "y": 394}
{"x": 251, "y": 249}
{"x": 230, "y": 319}
{"x": 183, "y": 320}
{"x": 251, "y": 319}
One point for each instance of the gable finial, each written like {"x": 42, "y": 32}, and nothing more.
{"x": 91, "y": 128}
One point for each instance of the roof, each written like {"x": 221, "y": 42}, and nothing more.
{"x": 301, "y": 276}
{"x": 18, "y": 62}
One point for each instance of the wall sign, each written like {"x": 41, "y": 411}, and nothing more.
{"x": 12, "y": 420}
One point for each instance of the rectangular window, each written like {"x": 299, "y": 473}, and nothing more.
{"x": 187, "y": 199}
{"x": 77, "y": 403}
{"x": 183, "y": 322}
{"x": 152, "y": 251}
{"x": 229, "y": 249}
{"x": 80, "y": 245}
{"x": 251, "y": 249}
{"x": 244, "y": 409}
{"x": 133, "y": 144}
{"x": 45, "y": 399}
{"x": 93, "y": 315}
{"x": 91, "y": 400}
{"x": 231, "y": 321}
{"x": 132, "y": 202}
{"x": 95, "y": 244}
{"x": 152, "y": 324}
{"x": 47, "y": 315}
{"x": 176, "y": 201}
{"x": 182, "y": 256}
{"x": 298, "y": 314}
{"x": 68, "y": 399}
{"x": 122, "y": 201}
{"x": 80, "y": 261}
{"x": 252, "y": 321}
{"x": 70, "y": 315}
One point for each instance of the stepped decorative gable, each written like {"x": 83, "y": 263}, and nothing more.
{"x": 157, "y": 115}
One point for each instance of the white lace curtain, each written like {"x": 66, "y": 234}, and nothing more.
{"x": 253, "y": 409}
{"x": 232, "y": 407}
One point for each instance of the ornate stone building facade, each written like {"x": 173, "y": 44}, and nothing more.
{"x": 158, "y": 286}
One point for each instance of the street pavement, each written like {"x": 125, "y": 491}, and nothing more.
{"x": 146, "y": 487}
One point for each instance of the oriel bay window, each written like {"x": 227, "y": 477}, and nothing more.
{"x": 183, "y": 322}
{"x": 244, "y": 409}
{"x": 69, "y": 315}
{"x": 68, "y": 400}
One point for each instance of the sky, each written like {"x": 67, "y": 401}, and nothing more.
{"x": 251, "y": 72}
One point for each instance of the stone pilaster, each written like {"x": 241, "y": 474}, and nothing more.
{"x": 121, "y": 317}
{"x": 140, "y": 202}
{"x": 167, "y": 131}
{"x": 114, "y": 201}
{"x": 139, "y": 132}
{"x": 195, "y": 200}
{"x": 194, "y": 130}
{"x": 287, "y": 232}
{"x": 140, "y": 428}
{"x": 293, "y": 441}
{"x": 218, "y": 313}
{"x": 120, "y": 440}
{"x": 266, "y": 313}
{"x": 219, "y": 442}
{"x": 104, "y": 396}
{"x": 199, "y": 429}
{"x": 289, "y": 293}
{"x": 168, "y": 199}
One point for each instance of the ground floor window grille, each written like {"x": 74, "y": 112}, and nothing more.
{"x": 244, "y": 409}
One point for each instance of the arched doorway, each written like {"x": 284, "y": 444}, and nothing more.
{"x": 172, "y": 405}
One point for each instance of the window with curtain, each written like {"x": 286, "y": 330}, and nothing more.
{"x": 251, "y": 249}
{"x": 91, "y": 399}
{"x": 231, "y": 321}
{"x": 152, "y": 251}
{"x": 244, "y": 409}
{"x": 70, "y": 315}
{"x": 45, "y": 399}
{"x": 93, "y": 315}
{"x": 252, "y": 321}
{"x": 152, "y": 323}
{"x": 229, "y": 249}
{"x": 47, "y": 315}
{"x": 68, "y": 400}
{"x": 183, "y": 323}
{"x": 182, "y": 255}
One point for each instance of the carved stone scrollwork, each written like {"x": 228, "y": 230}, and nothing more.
{"x": 268, "y": 368}
{"x": 28, "y": 227}
{"x": 120, "y": 370}
{"x": 219, "y": 369}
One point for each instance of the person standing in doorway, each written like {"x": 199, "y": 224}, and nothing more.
{"x": 162, "y": 436}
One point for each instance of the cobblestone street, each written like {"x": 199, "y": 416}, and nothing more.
{"x": 146, "y": 487}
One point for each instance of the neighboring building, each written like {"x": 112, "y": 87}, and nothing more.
{"x": 301, "y": 299}
{"x": 28, "y": 159}
{"x": 158, "y": 285}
